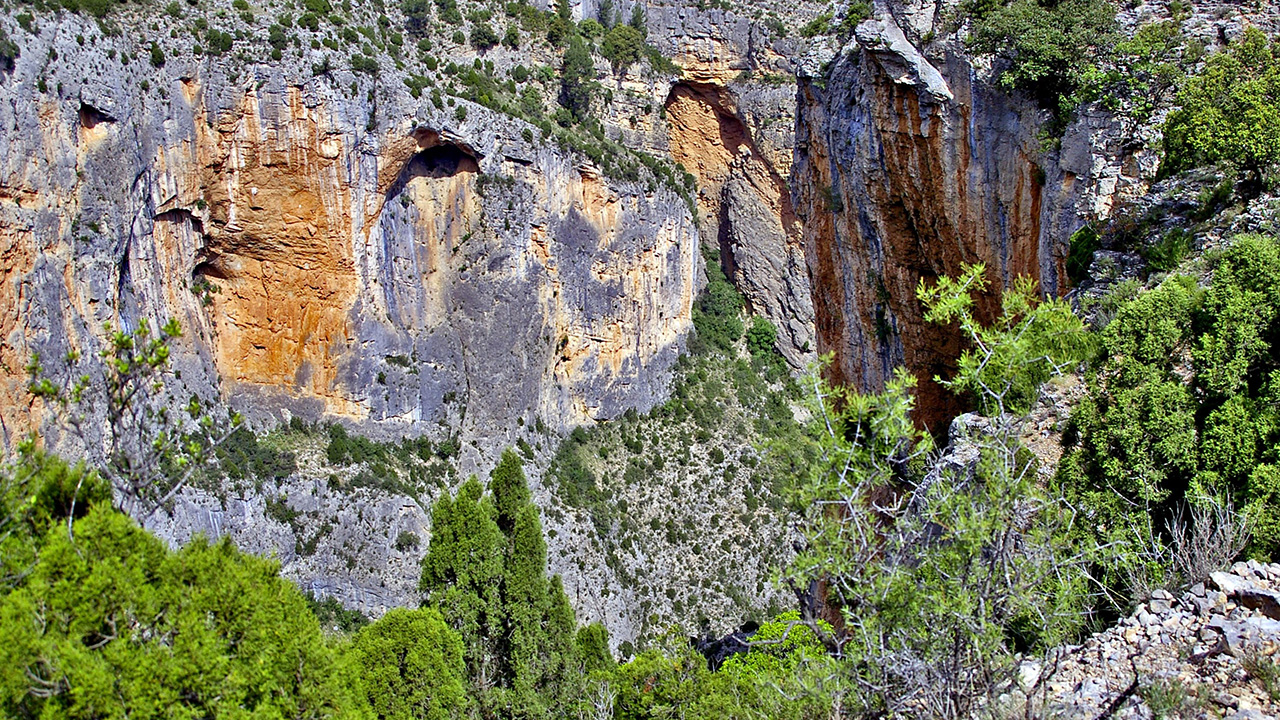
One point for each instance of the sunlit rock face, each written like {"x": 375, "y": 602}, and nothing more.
{"x": 337, "y": 256}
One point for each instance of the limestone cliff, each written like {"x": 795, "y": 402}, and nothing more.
{"x": 358, "y": 243}
{"x": 909, "y": 165}
{"x": 344, "y": 256}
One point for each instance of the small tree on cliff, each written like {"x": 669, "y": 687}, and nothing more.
{"x": 122, "y": 411}
{"x": 577, "y": 79}
{"x": 486, "y": 573}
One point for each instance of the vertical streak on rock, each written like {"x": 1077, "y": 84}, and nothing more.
{"x": 903, "y": 177}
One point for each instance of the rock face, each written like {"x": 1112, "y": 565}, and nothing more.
{"x": 357, "y": 258}
{"x": 907, "y": 167}
{"x": 745, "y": 206}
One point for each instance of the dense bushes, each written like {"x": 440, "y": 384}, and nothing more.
{"x": 110, "y": 623}
{"x": 1182, "y": 407}
{"x": 717, "y": 314}
{"x": 1228, "y": 113}
{"x": 1052, "y": 47}
{"x": 622, "y": 46}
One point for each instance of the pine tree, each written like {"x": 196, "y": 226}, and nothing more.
{"x": 577, "y": 79}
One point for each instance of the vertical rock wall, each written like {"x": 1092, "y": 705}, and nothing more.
{"x": 905, "y": 171}
{"x": 355, "y": 256}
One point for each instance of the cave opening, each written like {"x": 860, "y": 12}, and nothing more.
{"x": 439, "y": 161}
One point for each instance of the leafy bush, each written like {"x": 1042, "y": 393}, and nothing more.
{"x": 112, "y": 622}
{"x": 333, "y": 616}
{"x": 449, "y": 11}
{"x": 417, "y": 16}
{"x": 717, "y": 316}
{"x": 1227, "y": 113}
{"x": 820, "y": 25}
{"x": 242, "y": 456}
{"x": 483, "y": 36}
{"x": 622, "y": 46}
{"x": 1181, "y": 407}
{"x": 406, "y": 541}
{"x": 410, "y": 664}
{"x": 936, "y": 587}
{"x": 365, "y": 64}
{"x": 1053, "y": 48}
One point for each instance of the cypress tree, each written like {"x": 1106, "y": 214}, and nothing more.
{"x": 486, "y": 571}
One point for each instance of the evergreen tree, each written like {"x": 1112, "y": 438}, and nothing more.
{"x": 638, "y": 20}
{"x": 486, "y": 573}
{"x": 461, "y": 576}
{"x": 577, "y": 79}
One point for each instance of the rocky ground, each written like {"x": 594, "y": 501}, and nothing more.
{"x": 1209, "y": 653}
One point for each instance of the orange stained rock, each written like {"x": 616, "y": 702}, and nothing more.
{"x": 279, "y": 246}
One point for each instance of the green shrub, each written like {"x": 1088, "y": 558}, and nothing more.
{"x": 1226, "y": 113}
{"x": 365, "y": 64}
{"x": 1081, "y": 248}
{"x": 717, "y": 314}
{"x": 9, "y": 52}
{"x": 410, "y": 662}
{"x": 1181, "y": 403}
{"x": 449, "y": 12}
{"x": 211, "y": 632}
{"x": 485, "y": 571}
{"x": 1053, "y": 47}
{"x": 333, "y": 617}
{"x": 483, "y": 36}
{"x": 577, "y": 79}
{"x": 622, "y": 46}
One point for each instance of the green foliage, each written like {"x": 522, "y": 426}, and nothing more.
{"x": 1031, "y": 341}
{"x": 1053, "y": 47}
{"x": 622, "y": 46}
{"x": 1228, "y": 113}
{"x": 111, "y": 624}
{"x": 449, "y": 11}
{"x": 762, "y": 338}
{"x": 717, "y": 316}
{"x": 483, "y": 36}
{"x": 406, "y": 540}
{"x": 346, "y": 449}
{"x": 333, "y": 617}
{"x": 242, "y": 456}
{"x": 365, "y": 64}
{"x": 417, "y": 17}
{"x": 1167, "y": 252}
{"x": 794, "y": 680}
{"x": 577, "y": 79}
{"x": 820, "y": 25}
{"x": 410, "y": 662}
{"x": 485, "y": 571}
{"x": 1084, "y": 243}
{"x": 942, "y": 573}
{"x": 1181, "y": 404}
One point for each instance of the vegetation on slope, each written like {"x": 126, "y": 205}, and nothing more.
{"x": 1182, "y": 401}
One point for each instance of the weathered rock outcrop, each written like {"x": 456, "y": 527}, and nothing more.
{"x": 1203, "y": 654}
{"x": 909, "y": 166}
